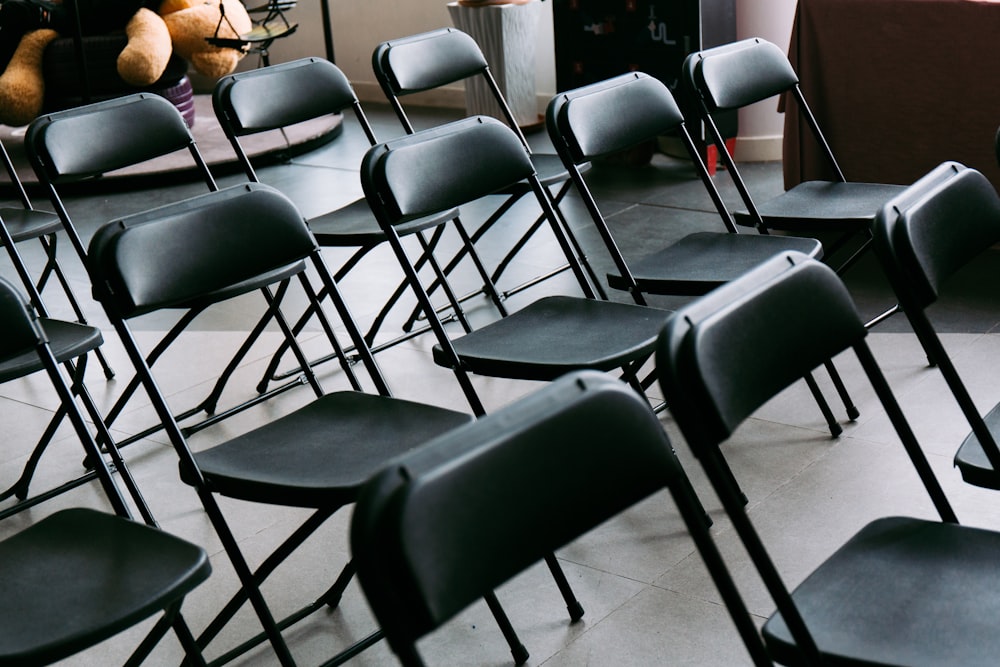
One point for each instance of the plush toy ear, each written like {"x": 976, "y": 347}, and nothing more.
{"x": 144, "y": 59}
{"x": 22, "y": 89}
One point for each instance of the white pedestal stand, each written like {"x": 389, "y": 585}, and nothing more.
{"x": 507, "y": 34}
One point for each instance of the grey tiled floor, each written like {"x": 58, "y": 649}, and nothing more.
{"x": 648, "y": 598}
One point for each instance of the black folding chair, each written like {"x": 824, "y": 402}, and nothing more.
{"x": 70, "y": 343}
{"x": 923, "y": 237}
{"x": 434, "y": 531}
{"x": 452, "y": 164}
{"x": 73, "y": 146}
{"x": 733, "y": 76}
{"x": 587, "y": 124}
{"x": 901, "y": 591}
{"x": 315, "y": 457}
{"x": 80, "y": 576}
{"x": 272, "y": 98}
{"x": 27, "y": 223}
{"x": 437, "y": 58}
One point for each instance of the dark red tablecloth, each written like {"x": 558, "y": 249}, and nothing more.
{"x": 898, "y": 86}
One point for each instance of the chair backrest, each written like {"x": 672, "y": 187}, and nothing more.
{"x": 588, "y": 123}
{"x": 430, "y": 60}
{"x": 442, "y": 168}
{"x": 173, "y": 254}
{"x": 278, "y": 96}
{"x": 88, "y": 141}
{"x": 934, "y": 228}
{"x": 735, "y": 75}
{"x": 922, "y": 237}
{"x": 732, "y": 76}
{"x": 722, "y": 356}
{"x": 459, "y": 516}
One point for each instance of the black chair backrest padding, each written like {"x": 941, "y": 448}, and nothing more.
{"x": 170, "y": 255}
{"x": 282, "y": 95}
{"x": 642, "y": 107}
{"x": 428, "y": 60}
{"x": 723, "y": 83}
{"x": 468, "y": 511}
{"x": 120, "y": 136}
{"x": 406, "y": 187}
{"x": 745, "y": 359}
{"x": 934, "y": 228}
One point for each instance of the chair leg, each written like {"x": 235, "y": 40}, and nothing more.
{"x": 517, "y": 649}
{"x": 49, "y": 244}
{"x": 572, "y": 604}
{"x": 852, "y": 410}
{"x": 831, "y": 421}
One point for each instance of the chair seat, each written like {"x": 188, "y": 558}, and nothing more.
{"x": 319, "y": 455}
{"x": 68, "y": 340}
{"x": 700, "y": 262}
{"x": 823, "y": 206}
{"x": 354, "y": 225}
{"x": 901, "y": 592}
{"x": 29, "y": 224}
{"x": 551, "y": 170}
{"x": 971, "y": 460}
{"x": 556, "y": 335}
{"x": 80, "y": 576}
{"x": 238, "y": 289}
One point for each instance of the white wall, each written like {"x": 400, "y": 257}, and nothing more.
{"x": 761, "y": 126}
{"x": 359, "y": 25}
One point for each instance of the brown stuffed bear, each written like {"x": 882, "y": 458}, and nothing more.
{"x": 28, "y": 26}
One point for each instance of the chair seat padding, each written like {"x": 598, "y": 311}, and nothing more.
{"x": 355, "y": 225}
{"x": 320, "y": 454}
{"x": 823, "y": 205}
{"x": 902, "y": 591}
{"x": 971, "y": 460}
{"x": 558, "y": 334}
{"x": 80, "y": 576}
{"x": 700, "y": 262}
{"x": 25, "y": 224}
{"x": 68, "y": 340}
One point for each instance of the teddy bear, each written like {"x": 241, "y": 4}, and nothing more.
{"x": 179, "y": 26}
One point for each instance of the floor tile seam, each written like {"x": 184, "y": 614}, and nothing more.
{"x": 589, "y": 627}
{"x": 624, "y": 577}
{"x": 706, "y": 600}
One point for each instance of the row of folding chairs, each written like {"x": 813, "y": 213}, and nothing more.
{"x": 187, "y": 256}
{"x": 902, "y": 590}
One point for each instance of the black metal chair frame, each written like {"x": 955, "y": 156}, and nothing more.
{"x": 713, "y": 385}
{"x": 732, "y": 76}
{"x": 34, "y": 562}
{"x": 272, "y": 98}
{"x": 329, "y": 448}
{"x": 433, "y": 59}
{"x": 131, "y": 130}
{"x": 27, "y": 223}
{"x": 549, "y": 337}
{"x": 579, "y": 451}
{"x": 587, "y": 124}
{"x": 70, "y": 343}
{"x": 923, "y": 237}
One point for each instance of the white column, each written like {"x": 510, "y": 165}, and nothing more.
{"x": 507, "y": 34}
